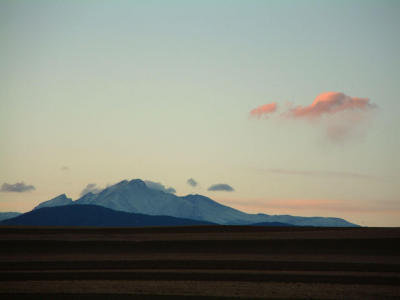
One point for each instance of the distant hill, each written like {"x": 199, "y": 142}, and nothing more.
{"x": 93, "y": 215}
{"x": 8, "y": 215}
{"x": 136, "y": 197}
{"x": 272, "y": 224}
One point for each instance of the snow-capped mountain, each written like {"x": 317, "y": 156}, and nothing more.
{"x": 136, "y": 197}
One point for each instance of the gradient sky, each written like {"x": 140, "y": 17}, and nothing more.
{"x": 101, "y": 91}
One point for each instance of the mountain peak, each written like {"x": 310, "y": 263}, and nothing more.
{"x": 123, "y": 182}
{"x": 137, "y": 182}
{"x": 60, "y": 200}
{"x": 133, "y": 182}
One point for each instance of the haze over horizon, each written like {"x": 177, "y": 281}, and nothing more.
{"x": 277, "y": 107}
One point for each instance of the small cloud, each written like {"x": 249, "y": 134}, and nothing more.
{"x": 18, "y": 187}
{"x": 221, "y": 187}
{"x": 159, "y": 186}
{"x": 192, "y": 182}
{"x": 64, "y": 168}
{"x": 91, "y": 188}
{"x": 263, "y": 110}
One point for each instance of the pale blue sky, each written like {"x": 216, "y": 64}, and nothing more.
{"x": 162, "y": 90}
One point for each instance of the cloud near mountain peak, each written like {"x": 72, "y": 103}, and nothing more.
{"x": 91, "y": 188}
{"x": 159, "y": 186}
{"x": 192, "y": 182}
{"x": 221, "y": 187}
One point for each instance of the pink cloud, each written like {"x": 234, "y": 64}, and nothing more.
{"x": 264, "y": 110}
{"x": 340, "y": 116}
{"x": 330, "y": 103}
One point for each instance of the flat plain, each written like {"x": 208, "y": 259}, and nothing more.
{"x": 200, "y": 262}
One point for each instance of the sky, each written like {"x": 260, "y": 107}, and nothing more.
{"x": 279, "y": 107}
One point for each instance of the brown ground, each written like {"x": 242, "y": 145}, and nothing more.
{"x": 210, "y": 262}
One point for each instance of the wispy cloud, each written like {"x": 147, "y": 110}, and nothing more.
{"x": 264, "y": 110}
{"x": 19, "y": 187}
{"x": 329, "y": 205}
{"x": 221, "y": 187}
{"x": 91, "y": 188}
{"x": 159, "y": 186}
{"x": 64, "y": 168}
{"x": 307, "y": 204}
{"x": 320, "y": 173}
{"x": 192, "y": 182}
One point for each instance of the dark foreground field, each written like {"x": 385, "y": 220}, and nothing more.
{"x": 210, "y": 262}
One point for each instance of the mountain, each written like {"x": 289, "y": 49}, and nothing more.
{"x": 309, "y": 221}
{"x": 8, "y": 215}
{"x": 136, "y": 197}
{"x": 57, "y": 201}
{"x": 93, "y": 215}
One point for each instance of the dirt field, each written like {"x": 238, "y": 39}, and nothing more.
{"x": 212, "y": 262}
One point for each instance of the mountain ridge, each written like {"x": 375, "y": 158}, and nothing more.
{"x": 94, "y": 215}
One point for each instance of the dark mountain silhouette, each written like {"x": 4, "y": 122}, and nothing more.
{"x": 272, "y": 224}
{"x": 8, "y": 215}
{"x": 93, "y": 215}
